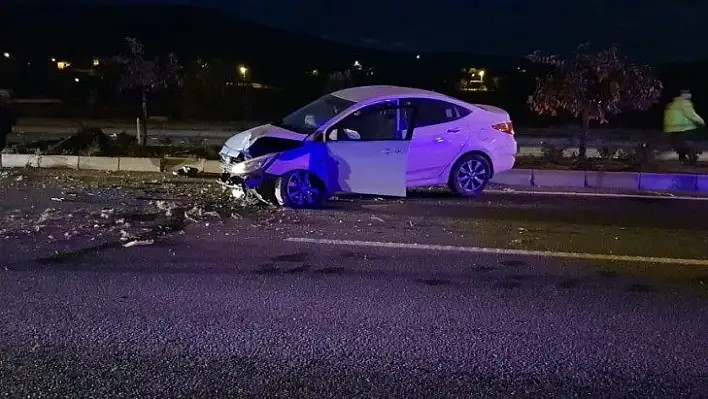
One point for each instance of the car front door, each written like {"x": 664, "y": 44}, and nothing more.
{"x": 440, "y": 134}
{"x": 368, "y": 153}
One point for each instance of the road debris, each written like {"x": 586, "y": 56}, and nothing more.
{"x": 188, "y": 171}
{"x": 137, "y": 243}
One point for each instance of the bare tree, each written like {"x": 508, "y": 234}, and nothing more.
{"x": 147, "y": 77}
{"x": 592, "y": 86}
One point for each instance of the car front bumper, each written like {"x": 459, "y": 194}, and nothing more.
{"x": 248, "y": 188}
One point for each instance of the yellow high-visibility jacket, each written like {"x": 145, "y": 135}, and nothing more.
{"x": 680, "y": 116}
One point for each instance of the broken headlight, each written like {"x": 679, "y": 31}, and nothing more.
{"x": 249, "y": 166}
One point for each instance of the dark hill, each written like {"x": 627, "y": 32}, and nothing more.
{"x": 189, "y": 31}
{"x": 86, "y": 30}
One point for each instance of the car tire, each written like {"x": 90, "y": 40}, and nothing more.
{"x": 303, "y": 181}
{"x": 470, "y": 175}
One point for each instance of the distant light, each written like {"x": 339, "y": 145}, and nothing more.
{"x": 63, "y": 64}
{"x": 6, "y": 55}
{"x": 53, "y": 59}
{"x": 96, "y": 62}
{"x": 243, "y": 70}
{"x": 357, "y": 64}
{"x": 481, "y": 73}
{"x": 417, "y": 57}
{"x": 76, "y": 80}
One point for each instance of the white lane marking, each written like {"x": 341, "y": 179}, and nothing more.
{"x": 502, "y": 251}
{"x": 666, "y": 196}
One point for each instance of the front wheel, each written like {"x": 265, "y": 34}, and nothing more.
{"x": 299, "y": 189}
{"x": 470, "y": 175}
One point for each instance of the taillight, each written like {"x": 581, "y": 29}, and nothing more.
{"x": 504, "y": 127}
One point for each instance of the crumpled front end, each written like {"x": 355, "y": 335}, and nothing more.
{"x": 244, "y": 159}
{"x": 244, "y": 177}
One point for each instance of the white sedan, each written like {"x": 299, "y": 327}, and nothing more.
{"x": 377, "y": 140}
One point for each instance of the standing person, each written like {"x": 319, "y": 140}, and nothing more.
{"x": 8, "y": 119}
{"x": 681, "y": 124}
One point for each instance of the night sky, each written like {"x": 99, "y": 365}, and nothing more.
{"x": 671, "y": 30}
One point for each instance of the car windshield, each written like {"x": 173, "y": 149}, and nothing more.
{"x": 309, "y": 118}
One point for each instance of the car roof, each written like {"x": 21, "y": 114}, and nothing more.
{"x": 364, "y": 93}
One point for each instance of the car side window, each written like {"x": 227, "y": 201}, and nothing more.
{"x": 375, "y": 122}
{"x": 433, "y": 112}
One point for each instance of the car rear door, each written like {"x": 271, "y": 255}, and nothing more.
{"x": 367, "y": 153}
{"x": 440, "y": 134}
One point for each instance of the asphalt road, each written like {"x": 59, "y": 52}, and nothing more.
{"x": 222, "y": 306}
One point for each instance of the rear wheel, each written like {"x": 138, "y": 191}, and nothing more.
{"x": 299, "y": 189}
{"x": 470, "y": 175}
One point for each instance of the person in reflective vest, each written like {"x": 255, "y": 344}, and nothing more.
{"x": 683, "y": 125}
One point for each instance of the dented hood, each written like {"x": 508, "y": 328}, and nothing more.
{"x": 241, "y": 141}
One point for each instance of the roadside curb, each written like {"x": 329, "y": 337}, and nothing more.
{"x": 636, "y": 181}
{"x": 107, "y": 164}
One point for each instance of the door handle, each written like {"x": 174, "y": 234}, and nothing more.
{"x": 389, "y": 151}
{"x": 454, "y": 130}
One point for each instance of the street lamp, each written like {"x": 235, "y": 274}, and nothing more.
{"x": 6, "y": 55}
{"x": 417, "y": 57}
{"x": 242, "y": 70}
{"x": 481, "y": 74}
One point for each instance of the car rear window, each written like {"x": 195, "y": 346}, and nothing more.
{"x": 434, "y": 112}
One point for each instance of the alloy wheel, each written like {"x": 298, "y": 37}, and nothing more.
{"x": 471, "y": 176}
{"x": 300, "y": 190}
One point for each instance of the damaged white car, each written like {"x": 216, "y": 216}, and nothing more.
{"x": 377, "y": 140}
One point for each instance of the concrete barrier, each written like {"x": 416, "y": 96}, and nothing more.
{"x": 629, "y": 181}
{"x": 569, "y": 179}
{"x": 613, "y": 180}
{"x": 212, "y": 167}
{"x": 668, "y": 182}
{"x": 702, "y": 183}
{"x": 59, "y": 161}
{"x": 515, "y": 177}
{"x": 19, "y": 161}
{"x": 559, "y": 178}
{"x": 99, "y": 163}
{"x": 135, "y": 164}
